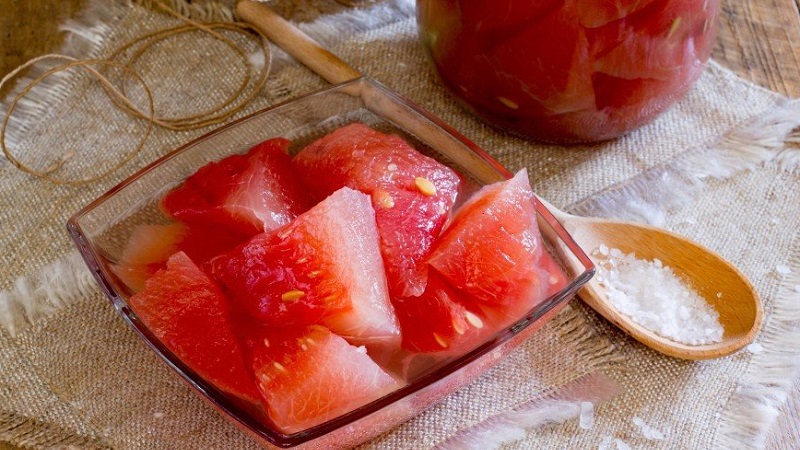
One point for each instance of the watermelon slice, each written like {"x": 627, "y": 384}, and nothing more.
{"x": 558, "y": 77}
{"x": 324, "y": 267}
{"x": 307, "y": 376}
{"x": 592, "y": 13}
{"x": 244, "y": 194}
{"x": 412, "y": 194}
{"x": 147, "y": 251}
{"x": 189, "y": 314}
{"x": 439, "y": 321}
{"x": 491, "y": 249}
{"x": 149, "y": 247}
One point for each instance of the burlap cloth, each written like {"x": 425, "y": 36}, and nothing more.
{"x": 714, "y": 168}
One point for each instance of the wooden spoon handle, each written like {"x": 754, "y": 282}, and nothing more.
{"x": 296, "y": 43}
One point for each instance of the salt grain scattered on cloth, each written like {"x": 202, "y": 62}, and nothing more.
{"x": 647, "y": 431}
{"x": 783, "y": 269}
{"x": 586, "y": 418}
{"x": 755, "y": 348}
{"x": 611, "y": 443}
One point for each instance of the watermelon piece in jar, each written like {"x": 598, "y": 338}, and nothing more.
{"x": 593, "y": 13}
{"x": 490, "y": 251}
{"x": 412, "y": 194}
{"x": 557, "y": 79}
{"x": 309, "y": 375}
{"x": 187, "y": 312}
{"x": 324, "y": 267}
{"x": 243, "y": 194}
{"x": 666, "y": 40}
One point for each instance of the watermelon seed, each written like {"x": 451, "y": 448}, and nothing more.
{"x": 473, "y": 320}
{"x": 384, "y": 199}
{"x": 302, "y": 260}
{"x": 266, "y": 342}
{"x": 293, "y": 295}
{"x": 304, "y": 346}
{"x": 674, "y": 27}
{"x": 510, "y": 103}
{"x": 425, "y": 186}
{"x": 439, "y": 340}
{"x": 458, "y": 327}
{"x": 314, "y": 273}
{"x": 279, "y": 366}
{"x": 283, "y": 234}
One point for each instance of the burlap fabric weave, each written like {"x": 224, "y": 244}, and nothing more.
{"x": 714, "y": 168}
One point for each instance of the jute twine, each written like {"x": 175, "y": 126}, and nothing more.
{"x": 121, "y": 98}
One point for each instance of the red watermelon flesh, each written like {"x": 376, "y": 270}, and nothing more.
{"x": 189, "y": 314}
{"x": 307, "y": 376}
{"x": 244, "y": 194}
{"x": 491, "y": 249}
{"x": 149, "y": 247}
{"x": 559, "y": 77}
{"x": 438, "y": 321}
{"x": 592, "y": 13}
{"x": 324, "y": 267}
{"x": 412, "y": 194}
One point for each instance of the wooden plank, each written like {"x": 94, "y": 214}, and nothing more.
{"x": 760, "y": 40}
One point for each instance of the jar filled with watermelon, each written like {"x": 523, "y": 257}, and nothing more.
{"x": 568, "y": 71}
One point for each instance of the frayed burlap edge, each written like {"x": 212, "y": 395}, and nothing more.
{"x": 771, "y": 375}
{"x": 649, "y": 196}
{"x": 53, "y": 288}
{"x": 85, "y": 36}
{"x": 567, "y": 403}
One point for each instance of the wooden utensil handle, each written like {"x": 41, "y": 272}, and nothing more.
{"x": 296, "y": 43}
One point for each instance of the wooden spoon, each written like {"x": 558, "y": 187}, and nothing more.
{"x": 738, "y": 305}
{"x": 721, "y": 284}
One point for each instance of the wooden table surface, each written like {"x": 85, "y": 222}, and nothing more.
{"x": 757, "y": 39}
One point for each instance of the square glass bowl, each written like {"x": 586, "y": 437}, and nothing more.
{"x": 101, "y": 229}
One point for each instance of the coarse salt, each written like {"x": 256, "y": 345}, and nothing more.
{"x": 783, "y": 269}
{"x": 648, "y": 432}
{"x": 654, "y": 297}
{"x": 755, "y": 348}
{"x": 612, "y": 443}
{"x": 586, "y": 417}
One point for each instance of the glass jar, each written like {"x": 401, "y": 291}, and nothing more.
{"x": 568, "y": 71}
